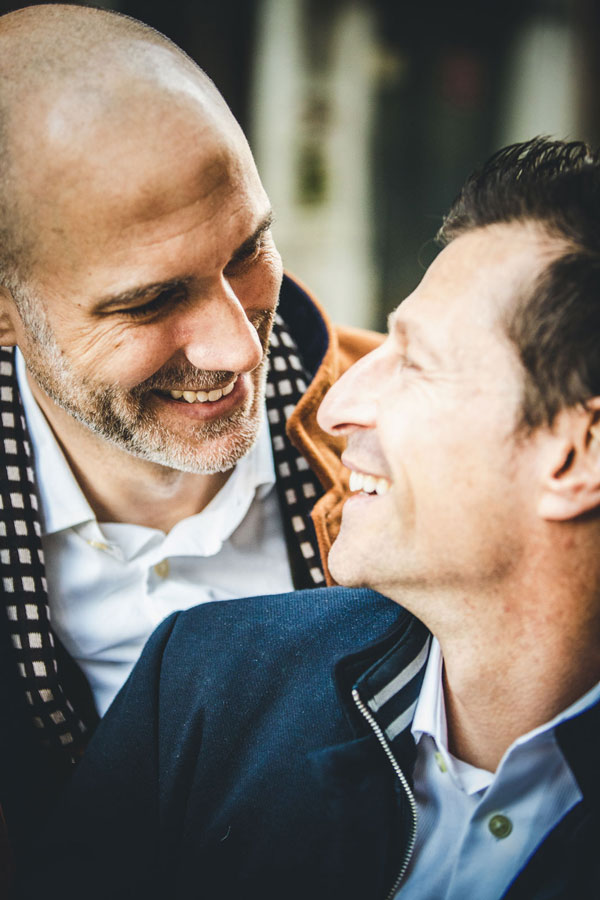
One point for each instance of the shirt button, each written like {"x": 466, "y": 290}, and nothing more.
{"x": 500, "y": 826}
{"x": 440, "y": 761}
{"x": 162, "y": 568}
{"x": 98, "y": 545}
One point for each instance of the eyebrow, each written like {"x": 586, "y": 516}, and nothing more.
{"x": 250, "y": 242}
{"x": 125, "y": 298}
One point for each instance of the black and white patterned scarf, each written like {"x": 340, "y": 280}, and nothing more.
{"x": 22, "y": 572}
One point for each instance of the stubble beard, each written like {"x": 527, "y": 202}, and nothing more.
{"x": 129, "y": 419}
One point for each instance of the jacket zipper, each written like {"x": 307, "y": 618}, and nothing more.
{"x": 411, "y": 799}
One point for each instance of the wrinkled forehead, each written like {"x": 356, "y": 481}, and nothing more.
{"x": 481, "y": 276}
{"x": 150, "y": 97}
{"x": 136, "y": 150}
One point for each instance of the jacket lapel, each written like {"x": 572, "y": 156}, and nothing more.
{"x": 297, "y": 486}
{"x": 24, "y": 588}
{"x": 364, "y": 804}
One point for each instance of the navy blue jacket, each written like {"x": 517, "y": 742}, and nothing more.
{"x": 236, "y": 763}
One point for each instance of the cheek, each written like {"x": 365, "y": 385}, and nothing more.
{"x": 123, "y": 356}
{"x": 425, "y": 468}
{"x": 402, "y": 462}
{"x": 405, "y": 496}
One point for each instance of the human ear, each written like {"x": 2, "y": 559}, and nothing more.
{"x": 8, "y": 335}
{"x": 571, "y": 484}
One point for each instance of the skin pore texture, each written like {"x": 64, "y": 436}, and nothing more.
{"x": 150, "y": 266}
{"x": 480, "y": 530}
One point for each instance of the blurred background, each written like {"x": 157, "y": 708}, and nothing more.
{"x": 365, "y": 116}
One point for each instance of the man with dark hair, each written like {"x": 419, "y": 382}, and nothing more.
{"x": 437, "y": 740}
{"x": 141, "y": 470}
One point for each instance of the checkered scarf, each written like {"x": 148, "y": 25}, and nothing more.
{"x": 22, "y": 572}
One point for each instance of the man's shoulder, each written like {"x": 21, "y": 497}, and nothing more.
{"x": 344, "y": 614}
{"x": 230, "y": 661}
{"x": 313, "y": 628}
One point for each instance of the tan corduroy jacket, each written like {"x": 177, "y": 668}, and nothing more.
{"x": 322, "y": 451}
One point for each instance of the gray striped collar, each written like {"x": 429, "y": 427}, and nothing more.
{"x": 391, "y": 687}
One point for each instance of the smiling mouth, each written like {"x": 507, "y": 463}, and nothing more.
{"x": 184, "y": 396}
{"x": 369, "y": 484}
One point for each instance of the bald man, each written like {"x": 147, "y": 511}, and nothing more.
{"x": 142, "y": 471}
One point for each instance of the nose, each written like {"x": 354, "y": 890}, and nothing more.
{"x": 352, "y": 401}
{"x": 215, "y": 333}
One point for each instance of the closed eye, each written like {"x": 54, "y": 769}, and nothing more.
{"x": 405, "y": 362}
{"x": 249, "y": 252}
{"x": 243, "y": 261}
{"x": 163, "y": 301}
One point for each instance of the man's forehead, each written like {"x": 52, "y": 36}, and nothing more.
{"x": 133, "y": 167}
{"x": 69, "y": 118}
{"x": 479, "y": 276}
{"x": 148, "y": 75}
{"x": 88, "y": 83}
{"x": 113, "y": 141}
{"x": 68, "y": 69}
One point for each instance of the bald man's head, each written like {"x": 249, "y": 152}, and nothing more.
{"x": 137, "y": 265}
{"x": 70, "y": 75}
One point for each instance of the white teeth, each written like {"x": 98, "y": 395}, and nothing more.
{"x": 355, "y": 481}
{"x": 369, "y": 484}
{"x": 204, "y": 396}
{"x": 382, "y": 486}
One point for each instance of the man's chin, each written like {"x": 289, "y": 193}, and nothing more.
{"x": 204, "y": 456}
{"x": 343, "y": 566}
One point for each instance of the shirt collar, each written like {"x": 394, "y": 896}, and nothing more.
{"x": 253, "y": 476}
{"x": 62, "y": 501}
{"x": 430, "y": 712}
{"x": 65, "y": 506}
{"x": 430, "y": 719}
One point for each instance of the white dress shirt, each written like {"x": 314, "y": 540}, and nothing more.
{"x": 477, "y": 829}
{"x": 110, "y": 584}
